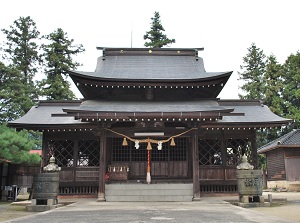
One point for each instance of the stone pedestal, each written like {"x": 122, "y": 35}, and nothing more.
{"x": 249, "y": 183}
{"x": 45, "y": 188}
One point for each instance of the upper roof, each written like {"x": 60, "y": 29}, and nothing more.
{"x": 140, "y": 67}
{"x": 291, "y": 139}
{"x": 160, "y": 65}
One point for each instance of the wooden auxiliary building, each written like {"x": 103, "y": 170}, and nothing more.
{"x": 164, "y": 106}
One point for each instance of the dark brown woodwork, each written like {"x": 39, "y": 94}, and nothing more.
{"x": 196, "y": 182}
{"x": 275, "y": 165}
{"x": 102, "y": 166}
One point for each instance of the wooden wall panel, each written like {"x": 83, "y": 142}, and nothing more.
{"x": 292, "y": 166}
{"x": 66, "y": 175}
{"x": 276, "y": 165}
{"x": 211, "y": 174}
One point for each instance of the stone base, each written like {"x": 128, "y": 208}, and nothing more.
{"x": 41, "y": 208}
{"x": 251, "y": 199}
{"x": 255, "y": 204}
{"x": 47, "y": 202}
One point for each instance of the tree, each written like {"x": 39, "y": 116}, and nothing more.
{"x": 13, "y": 99}
{"x": 21, "y": 51}
{"x": 155, "y": 35}
{"x": 253, "y": 69}
{"x": 15, "y": 146}
{"x": 273, "y": 79}
{"x": 58, "y": 57}
{"x": 291, "y": 88}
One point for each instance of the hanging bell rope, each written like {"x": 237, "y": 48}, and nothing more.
{"x": 125, "y": 143}
{"x": 149, "y": 146}
{"x": 172, "y": 142}
{"x": 148, "y": 140}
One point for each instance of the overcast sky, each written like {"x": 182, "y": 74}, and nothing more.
{"x": 225, "y": 28}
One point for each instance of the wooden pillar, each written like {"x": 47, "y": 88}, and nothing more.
{"x": 254, "y": 149}
{"x": 102, "y": 166}
{"x": 195, "y": 153}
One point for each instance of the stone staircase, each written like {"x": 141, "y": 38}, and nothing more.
{"x": 149, "y": 192}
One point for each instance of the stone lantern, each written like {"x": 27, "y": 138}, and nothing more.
{"x": 249, "y": 182}
{"x": 45, "y": 188}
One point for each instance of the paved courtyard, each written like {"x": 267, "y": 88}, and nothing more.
{"x": 206, "y": 210}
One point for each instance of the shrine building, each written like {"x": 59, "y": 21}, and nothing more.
{"x": 150, "y": 122}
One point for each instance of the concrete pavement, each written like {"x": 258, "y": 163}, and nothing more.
{"x": 209, "y": 209}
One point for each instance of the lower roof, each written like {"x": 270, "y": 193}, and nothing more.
{"x": 57, "y": 114}
{"x": 291, "y": 139}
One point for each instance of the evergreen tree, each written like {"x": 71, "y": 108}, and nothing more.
{"x": 273, "y": 79}
{"x": 291, "y": 88}
{"x": 21, "y": 51}
{"x": 14, "y": 101}
{"x": 15, "y": 147}
{"x": 58, "y": 57}
{"x": 155, "y": 36}
{"x": 253, "y": 69}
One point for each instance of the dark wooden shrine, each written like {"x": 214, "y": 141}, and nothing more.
{"x": 142, "y": 93}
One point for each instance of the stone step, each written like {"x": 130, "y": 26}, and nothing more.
{"x": 149, "y": 192}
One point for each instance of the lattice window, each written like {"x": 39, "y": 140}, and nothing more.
{"x": 120, "y": 153}
{"x": 63, "y": 152}
{"x": 140, "y": 154}
{"x": 130, "y": 153}
{"x": 178, "y": 152}
{"x": 88, "y": 153}
{"x": 235, "y": 149}
{"x": 160, "y": 155}
{"x": 209, "y": 152}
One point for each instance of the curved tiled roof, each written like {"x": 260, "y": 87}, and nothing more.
{"x": 290, "y": 139}
{"x": 150, "y": 68}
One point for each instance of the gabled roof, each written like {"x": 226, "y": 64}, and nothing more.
{"x": 291, "y": 139}
{"x": 144, "y": 67}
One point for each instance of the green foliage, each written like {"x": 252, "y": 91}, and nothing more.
{"x": 15, "y": 147}
{"x": 21, "y": 47}
{"x": 155, "y": 35}
{"x": 262, "y": 162}
{"x": 17, "y": 88}
{"x": 273, "y": 80}
{"x": 291, "y": 88}
{"x": 14, "y": 101}
{"x": 275, "y": 84}
{"x": 253, "y": 69}
{"x": 58, "y": 56}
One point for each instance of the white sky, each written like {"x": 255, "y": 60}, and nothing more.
{"x": 225, "y": 28}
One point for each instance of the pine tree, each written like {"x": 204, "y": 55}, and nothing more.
{"x": 253, "y": 70}
{"x": 15, "y": 147}
{"x": 291, "y": 88}
{"x": 155, "y": 36}
{"x": 21, "y": 53}
{"x": 58, "y": 58}
{"x": 273, "y": 79}
{"x": 14, "y": 101}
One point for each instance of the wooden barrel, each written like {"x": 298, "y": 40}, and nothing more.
{"x": 46, "y": 186}
{"x": 249, "y": 182}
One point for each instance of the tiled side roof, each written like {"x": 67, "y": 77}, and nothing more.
{"x": 42, "y": 115}
{"x": 254, "y": 112}
{"x": 290, "y": 139}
